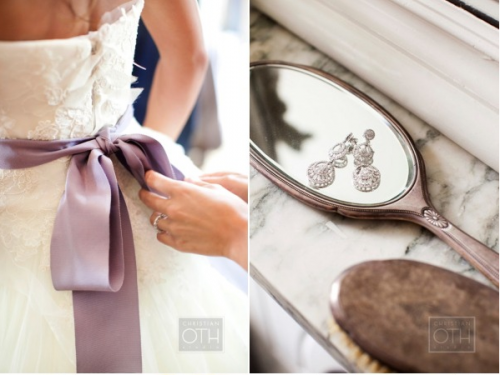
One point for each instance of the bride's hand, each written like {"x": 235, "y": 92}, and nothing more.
{"x": 202, "y": 218}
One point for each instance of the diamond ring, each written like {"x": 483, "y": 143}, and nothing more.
{"x": 157, "y": 219}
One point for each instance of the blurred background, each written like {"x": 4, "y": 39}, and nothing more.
{"x": 225, "y": 23}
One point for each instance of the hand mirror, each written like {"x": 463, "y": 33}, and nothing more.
{"x": 332, "y": 147}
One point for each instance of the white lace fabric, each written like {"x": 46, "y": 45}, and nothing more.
{"x": 70, "y": 88}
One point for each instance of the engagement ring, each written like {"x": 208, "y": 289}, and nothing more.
{"x": 155, "y": 223}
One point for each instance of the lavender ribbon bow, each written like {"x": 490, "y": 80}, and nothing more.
{"x": 92, "y": 248}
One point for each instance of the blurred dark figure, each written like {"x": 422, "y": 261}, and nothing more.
{"x": 146, "y": 55}
{"x": 267, "y": 115}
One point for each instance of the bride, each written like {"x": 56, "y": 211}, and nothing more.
{"x": 65, "y": 73}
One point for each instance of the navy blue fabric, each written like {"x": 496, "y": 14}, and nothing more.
{"x": 146, "y": 55}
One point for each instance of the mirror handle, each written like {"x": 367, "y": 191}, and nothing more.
{"x": 477, "y": 254}
{"x": 422, "y": 211}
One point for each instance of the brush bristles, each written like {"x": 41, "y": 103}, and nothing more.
{"x": 363, "y": 361}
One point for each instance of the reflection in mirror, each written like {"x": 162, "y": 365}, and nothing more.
{"x": 270, "y": 109}
{"x": 298, "y": 117}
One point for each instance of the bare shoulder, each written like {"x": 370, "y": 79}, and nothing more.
{"x": 51, "y": 19}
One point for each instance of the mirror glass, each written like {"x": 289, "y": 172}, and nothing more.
{"x": 298, "y": 116}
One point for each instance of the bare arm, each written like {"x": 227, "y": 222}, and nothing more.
{"x": 176, "y": 29}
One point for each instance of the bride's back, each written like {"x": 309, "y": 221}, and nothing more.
{"x": 51, "y": 19}
{"x": 60, "y": 81}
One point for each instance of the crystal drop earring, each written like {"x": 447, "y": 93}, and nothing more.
{"x": 366, "y": 177}
{"x": 322, "y": 173}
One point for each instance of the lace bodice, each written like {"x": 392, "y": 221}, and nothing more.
{"x": 58, "y": 89}
{"x": 69, "y": 88}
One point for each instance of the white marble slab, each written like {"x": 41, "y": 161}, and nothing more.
{"x": 297, "y": 251}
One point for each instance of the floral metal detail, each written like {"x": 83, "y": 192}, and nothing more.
{"x": 435, "y": 219}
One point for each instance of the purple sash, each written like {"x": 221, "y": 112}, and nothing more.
{"x": 92, "y": 249}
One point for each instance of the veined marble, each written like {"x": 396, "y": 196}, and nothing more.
{"x": 297, "y": 251}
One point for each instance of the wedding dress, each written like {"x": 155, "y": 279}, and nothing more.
{"x": 70, "y": 88}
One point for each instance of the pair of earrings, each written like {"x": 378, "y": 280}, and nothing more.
{"x": 366, "y": 177}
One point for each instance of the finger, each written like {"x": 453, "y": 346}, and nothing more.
{"x": 153, "y": 217}
{"x": 166, "y": 238}
{"x": 229, "y": 178}
{"x": 211, "y": 179}
{"x": 163, "y": 185}
{"x": 171, "y": 240}
{"x": 198, "y": 182}
{"x": 164, "y": 225}
{"x": 221, "y": 174}
{"x": 154, "y": 201}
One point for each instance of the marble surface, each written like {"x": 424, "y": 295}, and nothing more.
{"x": 297, "y": 251}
